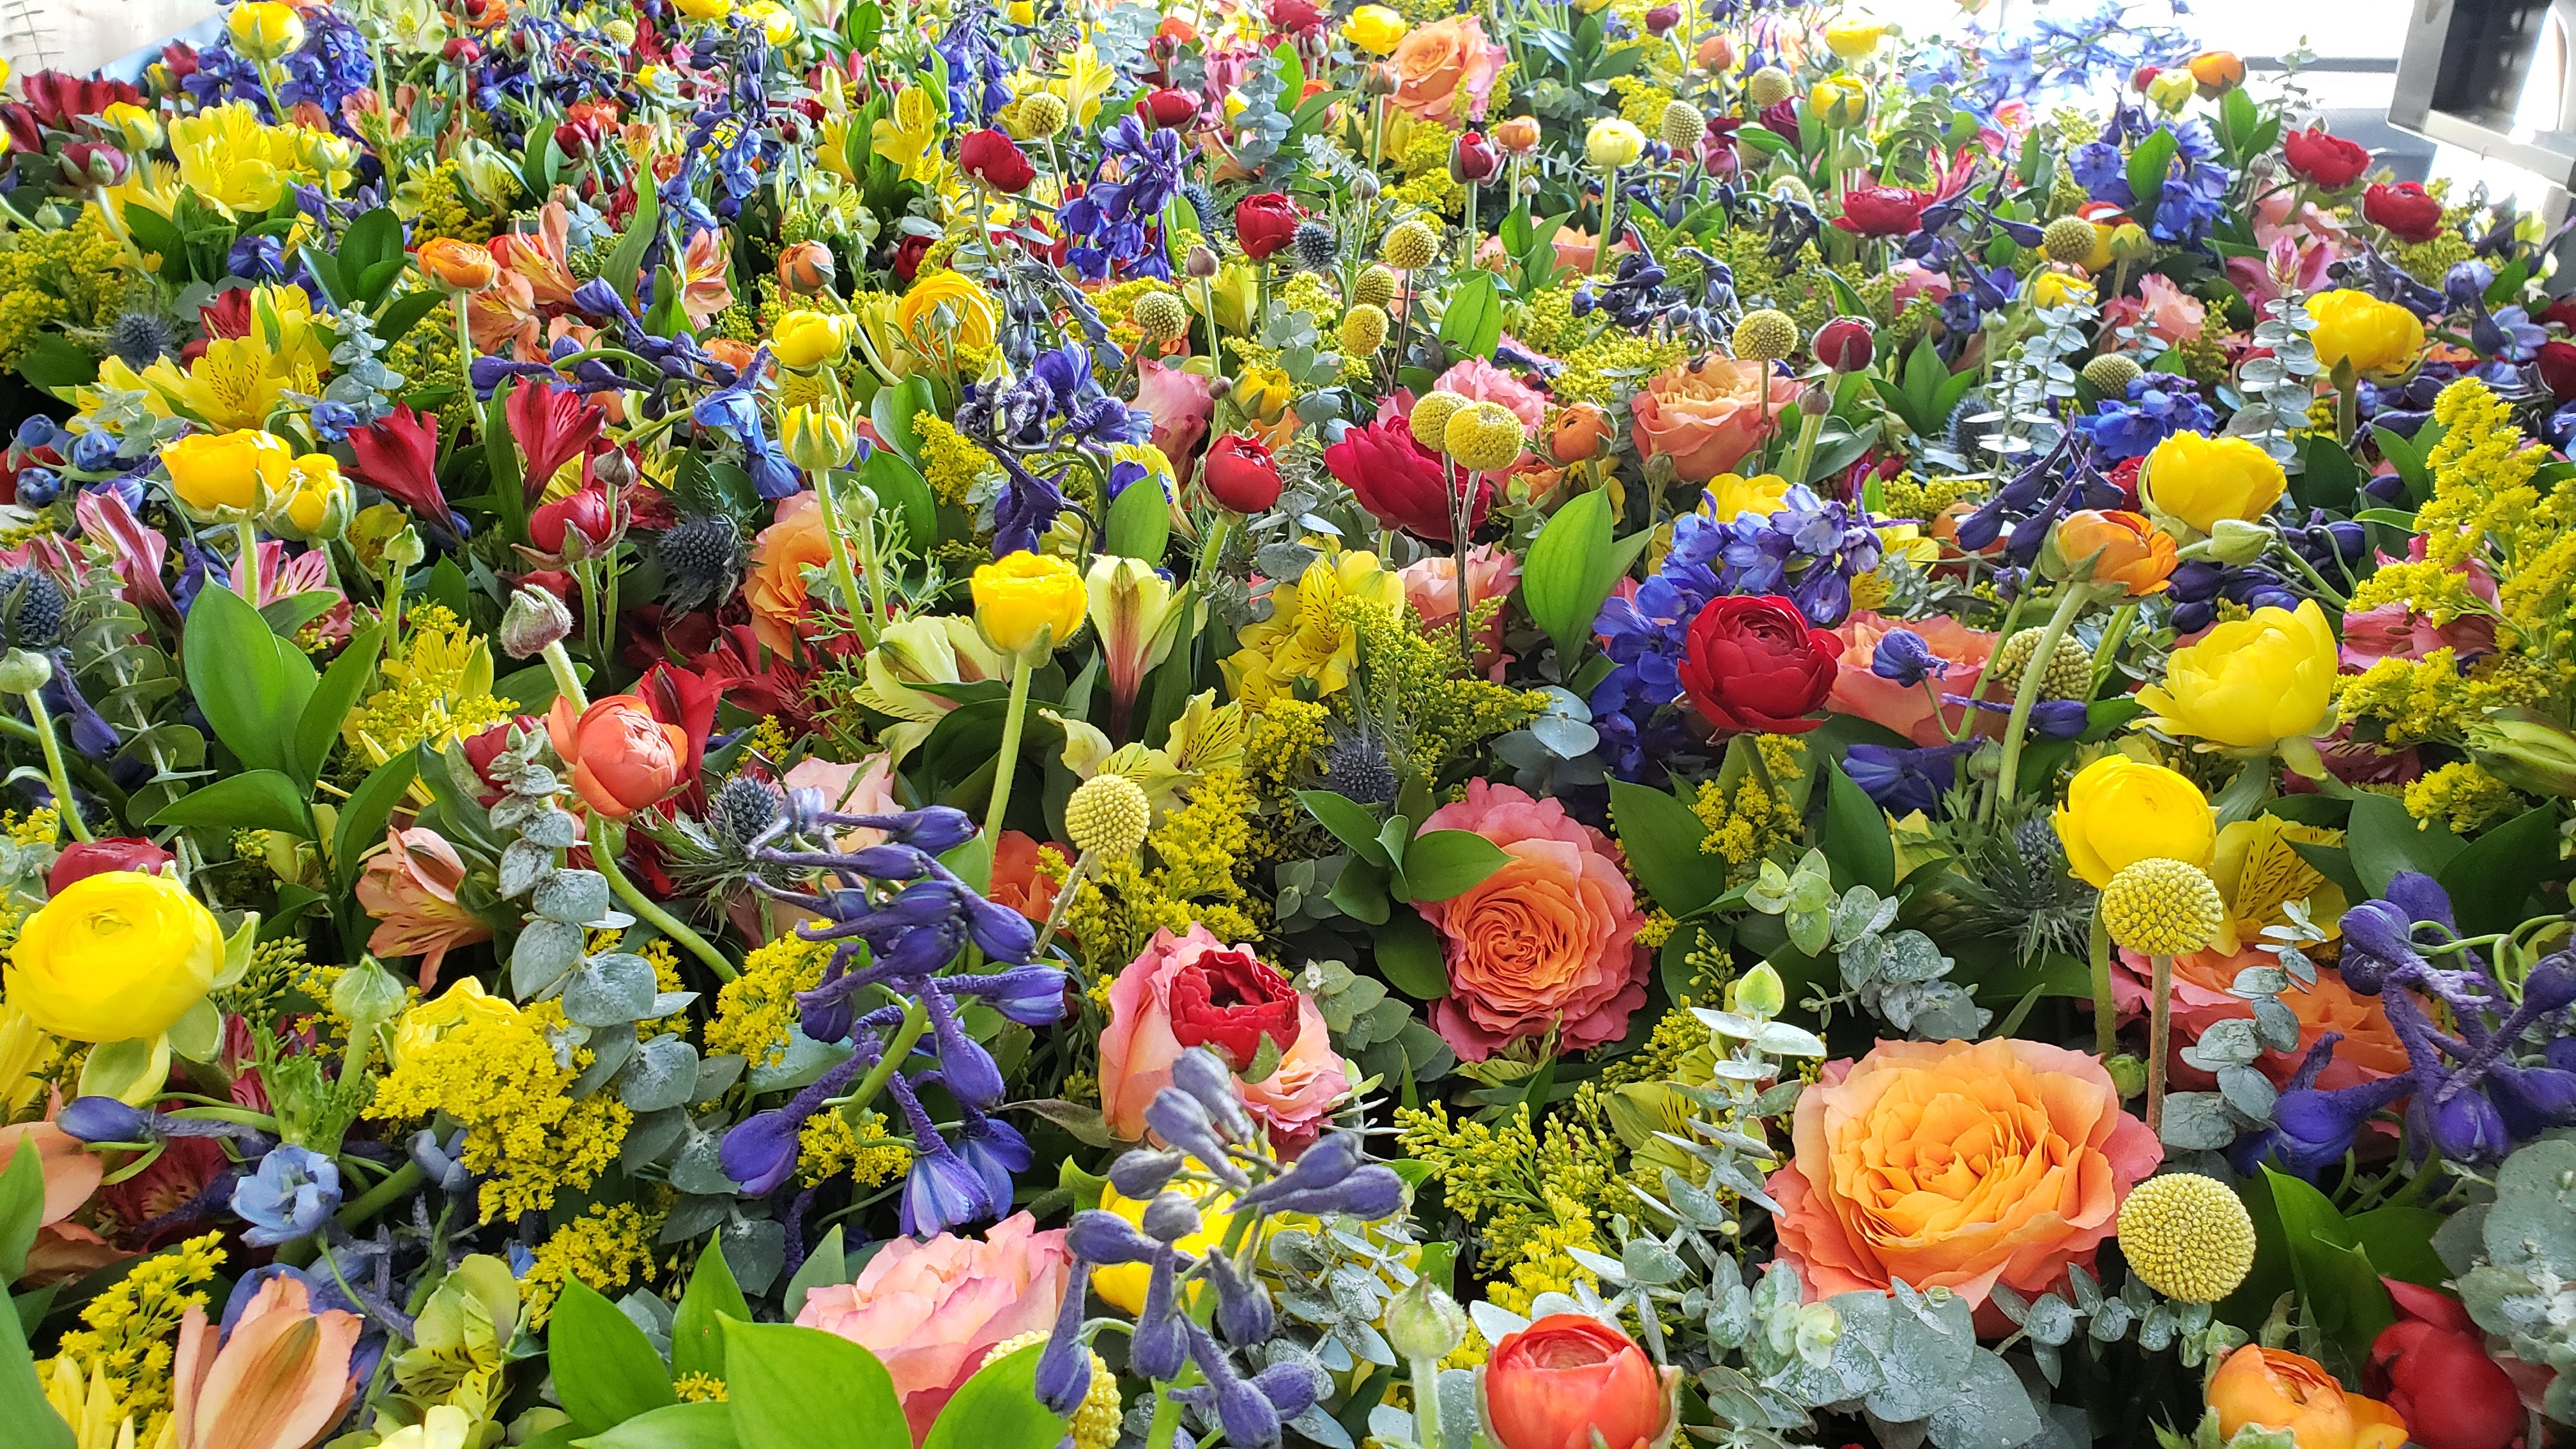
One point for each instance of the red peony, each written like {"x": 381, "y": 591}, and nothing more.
{"x": 1263, "y": 223}
{"x": 2327, "y": 160}
{"x": 1882, "y": 210}
{"x": 1399, "y": 481}
{"x": 1241, "y": 474}
{"x": 1754, "y": 663}
{"x": 996, "y": 160}
{"x": 2434, "y": 1355}
{"x": 2406, "y": 209}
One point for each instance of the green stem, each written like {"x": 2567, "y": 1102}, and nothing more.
{"x": 246, "y": 573}
{"x": 2107, "y": 653}
{"x": 1810, "y": 427}
{"x": 376, "y": 1199}
{"x": 54, "y": 770}
{"x": 1006, "y": 764}
{"x": 2034, "y": 671}
{"x": 2159, "y": 1040}
{"x": 1609, "y": 208}
{"x": 604, "y": 860}
{"x": 2106, "y": 1015}
{"x": 567, "y": 679}
{"x": 845, "y": 576}
{"x": 1063, "y": 902}
{"x": 916, "y": 1020}
{"x": 80, "y": 765}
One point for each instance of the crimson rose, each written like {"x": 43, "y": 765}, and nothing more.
{"x": 2328, "y": 160}
{"x": 1400, "y": 481}
{"x": 1263, "y": 223}
{"x": 1753, "y": 663}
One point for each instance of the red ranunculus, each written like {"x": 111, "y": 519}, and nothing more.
{"x": 2406, "y": 209}
{"x": 586, "y": 514}
{"x": 1780, "y": 119}
{"x": 1882, "y": 210}
{"x": 1399, "y": 481}
{"x": 2558, "y": 368}
{"x": 1754, "y": 663}
{"x": 908, "y": 254}
{"x": 1568, "y": 1378}
{"x": 2431, "y": 1366}
{"x": 1263, "y": 223}
{"x": 1294, "y": 17}
{"x": 996, "y": 160}
{"x": 2328, "y": 160}
{"x": 1242, "y": 475}
{"x": 1230, "y": 1000}
{"x": 1168, "y": 108}
{"x": 2560, "y": 313}
{"x": 83, "y": 859}
{"x": 1473, "y": 158}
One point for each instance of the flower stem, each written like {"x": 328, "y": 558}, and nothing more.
{"x": 2159, "y": 1035}
{"x": 844, "y": 576}
{"x": 2106, "y": 1014}
{"x": 1426, "y": 1402}
{"x": 916, "y": 1020}
{"x": 604, "y": 860}
{"x": 1063, "y": 901}
{"x": 2034, "y": 671}
{"x": 1810, "y": 426}
{"x": 54, "y": 770}
{"x": 246, "y": 570}
{"x": 1006, "y": 764}
{"x": 567, "y": 679}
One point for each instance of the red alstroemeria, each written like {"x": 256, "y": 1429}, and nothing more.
{"x": 553, "y": 425}
{"x": 397, "y": 455}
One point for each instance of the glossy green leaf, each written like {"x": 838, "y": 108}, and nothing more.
{"x": 1661, "y": 837}
{"x": 1348, "y": 820}
{"x": 2337, "y": 1284}
{"x": 22, "y": 1207}
{"x": 1408, "y": 956}
{"x": 605, "y": 1369}
{"x": 2492, "y": 878}
{"x": 674, "y": 1426}
{"x": 252, "y": 800}
{"x": 1472, "y": 323}
{"x": 1140, "y": 522}
{"x": 2384, "y": 840}
{"x": 1857, "y": 841}
{"x": 802, "y": 1388}
{"x": 32, "y": 1422}
{"x": 1440, "y": 864}
{"x": 899, "y": 486}
{"x": 240, "y": 682}
{"x": 363, "y": 815}
{"x": 999, "y": 1409}
{"x": 827, "y": 1265}
{"x": 1567, "y": 574}
{"x": 341, "y": 685}
{"x": 697, "y": 1331}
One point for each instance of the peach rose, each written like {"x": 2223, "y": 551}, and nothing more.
{"x": 1431, "y": 587}
{"x": 932, "y": 1310}
{"x": 1708, "y": 416}
{"x": 866, "y": 788}
{"x": 1964, "y": 1164}
{"x": 1477, "y": 380}
{"x": 1439, "y": 62}
{"x": 1908, "y": 710}
{"x": 1549, "y": 939}
{"x": 1194, "y": 990}
{"x": 775, "y": 584}
{"x": 411, "y": 891}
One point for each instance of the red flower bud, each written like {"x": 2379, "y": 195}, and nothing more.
{"x": 1242, "y": 475}
{"x": 1264, "y": 222}
{"x": 462, "y": 50}
{"x": 1845, "y": 344}
{"x": 1168, "y": 108}
{"x": 1473, "y": 158}
{"x": 1400, "y": 482}
{"x": 87, "y": 858}
{"x": 2406, "y": 209}
{"x": 1662, "y": 19}
{"x": 584, "y": 520}
{"x": 996, "y": 160}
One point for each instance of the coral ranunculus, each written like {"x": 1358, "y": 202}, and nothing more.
{"x": 1570, "y": 1381}
{"x": 931, "y": 1310}
{"x": 2126, "y": 549}
{"x": 2276, "y": 1389}
{"x": 2250, "y": 683}
{"x": 1444, "y": 68}
{"x": 1710, "y": 415}
{"x": 1549, "y": 939}
{"x": 622, "y": 758}
{"x": 1195, "y": 990}
{"x": 1964, "y": 1164}
{"x": 1754, "y": 663}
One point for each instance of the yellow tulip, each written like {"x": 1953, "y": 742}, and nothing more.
{"x": 1375, "y": 29}
{"x": 2356, "y": 327}
{"x": 2203, "y": 480}
{"x": 212, "y": 471}
{"x": 2250, "y": 683}
{"x": 1028, "y": 601}
{"x": 140, "y": 130}
{"x": 2120, "y": 811}
{"x": 805, "y": 340}
{"x": 115, "y": 956}
{"x": 1852, "y": 39}
{"x": 265, "y": 29}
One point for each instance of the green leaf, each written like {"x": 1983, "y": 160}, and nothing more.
{"x": 999, "y": 1409}
{"x": 362, "y": 819}
{"x": 404, "y": 313}
{"x": 2385, "y": 840}
{"x": 2329, "y": 479}
{"x": 2399, "y": 1240}
{"x": 1568, "y": 572}
{"x": 2147, "y": 167}
{"x": 22, "y": 1207}
{"x": 2492, "y": 877}
{"x": 1440, "y": 864}
{"x": 1350, "y": 823}
{"x": 826, "y": 1266}
{"x": 625, "y": 265}
{"x": 253, "y": 800}
{"x": 1140, "y": 522}
{"x": 802, "y": 1388}
{"x": 605, "y": 1369}
{"x": 1473, "y": 323}
{"x": 1661, "y": 836}
{"x": 1408, "y": 956}
{"x": 52, "y": 362}
{"x": 2337, "y": 1285}
{"x": 892, "y": 411}
{"x": 2237, "y": 119}
{"x": 22, "y": 1394}
{"x": 1360, "y": 890}
{"x": 900, "y": 486}
{"x": 240, "y": 682}
{"x": 675, "y": 1426}
{"x": 328, "y": 709}
{"x": 501, "y": 456}
{"x": 697, "y": 1335}
{"x": 1857, "y": 841}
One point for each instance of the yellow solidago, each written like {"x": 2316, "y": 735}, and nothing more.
{"x": 439, "y": 688}
{"x": 606, "y": 1248}
{"x": 1429, "y": 709}
{"x": 1745, "y": 823}
{"x": 697, "y": 1388}
{"x": 756, "y": 1010}
{"x": 829, "y": 1145}
{"x": 78, "y": 277}
{"x": 2416, "y": 700}
{"x": 953, "y": 463}
{"x": 2463, "y": 796}
{"x": 496, "y": 1071}
{"x": 130, "y": 1330}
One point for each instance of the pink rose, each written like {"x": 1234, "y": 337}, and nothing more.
{"x": 1709, "y": 415}
{"x": 1908, "y": 710}
{"x": 866, "y": 788}
{"x": 1194, "y": 990}
{"x": 1431, "y": 587}
{"x": 1181, "y": 405}
{"x": 932, "y": 1310}
{"x": 1913, "y": 279}
{"x": 1549, "y": 939}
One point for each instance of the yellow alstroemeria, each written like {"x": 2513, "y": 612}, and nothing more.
{"x": 942, "y": 649}
{"x": 910, "y": 137}
{"x": 1085, "y": 83}
{"x": 2258, "y": 870}
{"x": 1303, "y": 638}
{"x": 239, "y": 381}
{"x": 230, "y": 158}
{"x": 1207, "y": 736}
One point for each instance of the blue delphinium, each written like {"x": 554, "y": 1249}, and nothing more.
{"x": 291, "y": 1196}
{"x": 2157, "y": 406}
{"x": 1115, "y": 225}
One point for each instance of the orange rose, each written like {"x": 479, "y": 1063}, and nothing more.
{"x": 1709, "y": 415}
{"x": 2125, "y": 548}
{"x": 622, "y": 758}
{"x": 1959, "y": 1163}
{"x": 1438, "y": 62}
{"x": 2370, "y": 1048}
{"x": 775, "y": 584}
{"x": 1907, "y": 709}
{"x": 2273, "y": 1389}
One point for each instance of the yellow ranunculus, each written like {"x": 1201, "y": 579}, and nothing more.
{"x": 1839, "y": 101}
{"x": 1852, "y": 39}
{"x": 2250, "y": 683}
{"x": 1026, "y": 598}
{"x": 805, "y": 340}
{"x": 139, "y": 129}
{"x": 1124, "y": 1285}
{"x": 2057, "y": 289}
{"x": 115, "y": 956}
{"x": 945, "y": 312}
{"x": 1731, "y": 495}
{"x": 316, "y": 502}
{"x": 2120, "y": 811}
{"x": 265, "y": 29}
{"x": 1613, "y": 143}
{"x": 704, "y": 9}
{"x": 2356, "y": 327}
{"x": 226, "y": 470}
{"x": 777, "y": 23}
{"x": 1375, "y": 29}
{"x": 2202, "y": 480}
{"x": 817, "y": 437}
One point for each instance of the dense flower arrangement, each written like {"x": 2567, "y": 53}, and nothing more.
{"x": 870, "y": 722}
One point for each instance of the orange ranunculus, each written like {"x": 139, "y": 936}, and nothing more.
{"x": 1017, "y": 880}
{"x": 458, "y": 266}
{"x": 1440, "y": 61}
{"x": 1571, "y": 1382}
{"x": 622, "y": 758}
{"x": 1907, "y": 709}
{"x": 1965, "y": 1164}
{"x": 775, "y": 585}
{"x": 1578, "y": 433}
{"x": 2125, "y": 548}
{"x": 1709, "y": 415}
{"x": 2274, "y": 1389}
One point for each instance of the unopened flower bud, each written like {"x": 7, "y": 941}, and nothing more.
{"x": 24, "y": 671}
{"x": 2527, "y": 752}
{"x": 2235, "y": 542}
{"x": 535, "y": 619}
{"x": 1423, "y": 1322}
{"x": 366, "y": 994}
